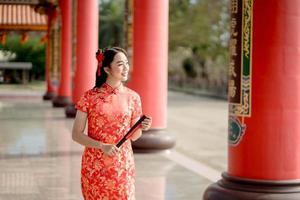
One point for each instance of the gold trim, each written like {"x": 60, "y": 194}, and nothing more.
{"x": 244, "y": 108}
{"x": 246, "y": 28}
{"x": 250, "y": 59}
{"x": 23, "y": 27}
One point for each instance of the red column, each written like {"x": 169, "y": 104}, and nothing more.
{"x": 274, "y": 128}
{"x": 51, "y": 90}
{"x": 64, "y": 90}
{"x": 149, "y": 73}
{"x": 86, "y": 47}
{"x": 265, "y": 163}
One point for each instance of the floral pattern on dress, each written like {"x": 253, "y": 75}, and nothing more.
{"x": 111, "y": 112}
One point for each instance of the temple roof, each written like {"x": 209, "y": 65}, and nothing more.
{"x": 21, "y": 17}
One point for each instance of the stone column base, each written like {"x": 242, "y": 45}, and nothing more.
{"x": 60, "y": 101}
{"x": 70, "y": 111}
{"x": 49, "y": 95}
{"x": 233, "y": 188}
{"x": 153, "y": 141}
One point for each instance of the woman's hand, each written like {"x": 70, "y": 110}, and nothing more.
{"x": 109, "y": 149}
{"x": 146, "y": 124}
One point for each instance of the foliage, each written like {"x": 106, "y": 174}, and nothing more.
{"x": 31, "y": 51}
{"x": 201, "y": 27}
{"x": 111, "y": 18}
{"x": 203, "y": 24}
{"x": 189, "y": 68}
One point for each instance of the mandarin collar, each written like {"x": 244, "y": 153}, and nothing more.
{"x": 106, "y": 88}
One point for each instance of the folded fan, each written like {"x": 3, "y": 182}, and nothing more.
{"x": 131, "y": 131}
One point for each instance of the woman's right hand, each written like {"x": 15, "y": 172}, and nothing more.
{"x": 109, "y": 149}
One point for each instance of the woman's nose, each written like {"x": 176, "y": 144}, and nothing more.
{"x": 126, "y": 67}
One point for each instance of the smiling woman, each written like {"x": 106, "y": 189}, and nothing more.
{"x": 110, "y": 109}
{"x": 112, "y": 63}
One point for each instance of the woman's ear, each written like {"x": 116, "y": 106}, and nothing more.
{"x": 106, "y": 69}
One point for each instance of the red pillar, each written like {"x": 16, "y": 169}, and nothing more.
{"x": 51, "y": 90}
{"x": 149, "y": 73}
{"x": 64, "y": 90}
{"x": 264, "y": 163}
{"x": 86, "y": 47}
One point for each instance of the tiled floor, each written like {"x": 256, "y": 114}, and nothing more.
{"x": 39, "y": 161}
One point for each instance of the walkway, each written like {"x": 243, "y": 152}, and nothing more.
{"x": 39, "y": 161}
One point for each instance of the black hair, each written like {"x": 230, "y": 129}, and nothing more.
{"x": 109, "y": 54}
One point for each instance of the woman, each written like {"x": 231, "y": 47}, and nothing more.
{"x": 110, "y": 109}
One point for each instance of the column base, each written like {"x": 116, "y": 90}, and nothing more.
{"x": 49, "y": 95}
{"x": 233, "y": 188}
{"x": 70, "y": 111}
{"x": 153, "y": 141}
{"x": 60, "y": 101}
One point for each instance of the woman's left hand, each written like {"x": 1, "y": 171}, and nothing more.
{"x": 146, "y": 124}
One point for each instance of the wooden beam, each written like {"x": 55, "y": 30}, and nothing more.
{"x": 23, "y": 27}
{"x": 25, "y": 2}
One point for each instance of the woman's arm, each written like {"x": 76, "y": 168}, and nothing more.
{"x": 137, "y": 134}
{"x": 78, "y": 132}
{"x": 146, "y": 124}
{"x": 81, "y": 138}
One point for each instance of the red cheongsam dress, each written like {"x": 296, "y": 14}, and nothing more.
{"x": 110, "y": 114}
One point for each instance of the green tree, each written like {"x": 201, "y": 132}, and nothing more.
{"x": 198, "y": 41}
{"x": 31, "y": 51}
{"x": 111, "y": 19}
{"x": 201, "y": 24}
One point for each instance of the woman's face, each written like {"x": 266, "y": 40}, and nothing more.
{"x": 119, "y": 68}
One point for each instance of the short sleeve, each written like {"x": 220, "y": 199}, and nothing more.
{"x": 83, "y": 103}
{"x": 137, "y": 108}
